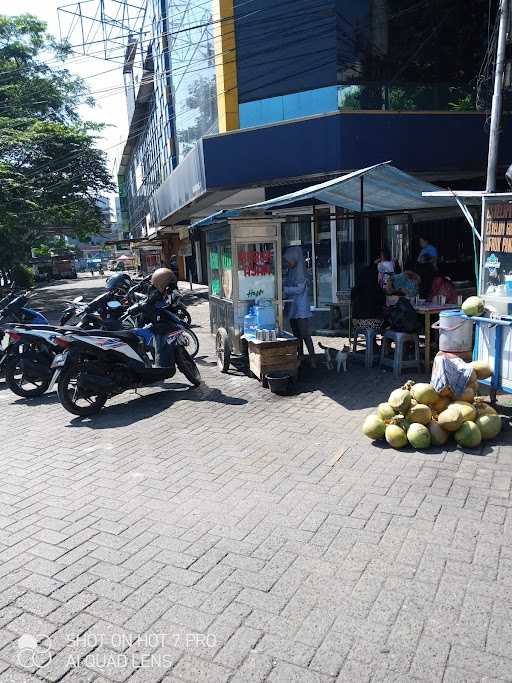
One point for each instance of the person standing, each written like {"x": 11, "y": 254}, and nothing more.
{"x": 385, "y": 267}
{"x": 428, "y": 253}
{"x": 299, "y": 307}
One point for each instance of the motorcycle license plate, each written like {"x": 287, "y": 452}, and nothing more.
{"x": 59, "y": 361}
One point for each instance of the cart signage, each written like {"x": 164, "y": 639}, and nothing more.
{"x": 255, "y": 262}
{"x": 255, "y": 274}
{"x": 498, "y": 228}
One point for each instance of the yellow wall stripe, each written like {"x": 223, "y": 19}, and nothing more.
{"x": 225, "y": 65}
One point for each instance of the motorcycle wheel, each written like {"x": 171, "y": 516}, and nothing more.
{"x": 73, "y": 401}
{"x": 190, "y": 342}
{"x": 17, "y": 381}
{"x": 187, "y": 366}
{"x": 184, "y": 315}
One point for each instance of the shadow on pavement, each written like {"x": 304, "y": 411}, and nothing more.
{"x": 144, "y": 407}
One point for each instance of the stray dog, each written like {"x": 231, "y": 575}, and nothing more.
{"x": 336, "y": 357}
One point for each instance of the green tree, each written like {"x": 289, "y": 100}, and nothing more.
{"x": 51, "y": 172}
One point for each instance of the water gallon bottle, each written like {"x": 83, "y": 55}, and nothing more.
{"x": 250, "y": 324}
{"x": 265, "y": 315}
{"x": 508, "y": 285}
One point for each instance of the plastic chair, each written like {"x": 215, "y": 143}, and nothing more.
{"x": 395, "y": 357}
{"x": 370, "y": 336}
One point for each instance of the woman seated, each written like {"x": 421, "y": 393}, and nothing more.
{"x": 368, "y": 300}
{"x": 443, "y": 286}
{"x": 404, "y": 284}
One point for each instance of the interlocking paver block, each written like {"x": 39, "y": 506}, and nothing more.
{"x": 269, "y": 525}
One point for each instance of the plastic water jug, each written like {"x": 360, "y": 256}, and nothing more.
{"x": 250, "y": 324}
{"x": 455, "y": 332}
{"x": 265, "y": 316}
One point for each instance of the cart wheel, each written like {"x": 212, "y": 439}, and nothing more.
{"x": 223, "y": 350}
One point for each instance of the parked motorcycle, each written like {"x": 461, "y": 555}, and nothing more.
{"x": 14, "y": 310}
{"x": 95, "y": 367}
{"x": 32, "y": 348}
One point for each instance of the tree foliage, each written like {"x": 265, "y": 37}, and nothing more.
{"x": 51, "y": 172}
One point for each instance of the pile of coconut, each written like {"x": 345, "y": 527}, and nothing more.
{"x": 417, "y": 415}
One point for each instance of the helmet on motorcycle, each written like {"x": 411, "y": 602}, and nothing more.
{"x": 121, "y": 281}
{"x": 162, "y": 278}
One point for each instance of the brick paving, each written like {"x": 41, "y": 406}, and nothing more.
{"x": 226, "y": 534}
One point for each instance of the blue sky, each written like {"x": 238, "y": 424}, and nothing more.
{"x": 110, "y": 107}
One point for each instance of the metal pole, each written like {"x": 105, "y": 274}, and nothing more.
{"x": 497, "y": 98}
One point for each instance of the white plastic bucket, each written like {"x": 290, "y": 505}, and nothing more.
{"x": 455, "y": 332}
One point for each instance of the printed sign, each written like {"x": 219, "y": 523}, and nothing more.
{"x": 256, "y": 286}
{"x": 255, "y": 262}
{"x": 498, "y": 228}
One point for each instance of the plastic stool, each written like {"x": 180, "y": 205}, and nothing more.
{"x": 370, "y": 335}
{"x": 395, "y": 358}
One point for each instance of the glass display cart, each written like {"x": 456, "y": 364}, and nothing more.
{"x": 245, "y": 273}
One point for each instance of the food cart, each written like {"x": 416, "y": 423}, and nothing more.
{"x": 244, "y": 268}
{"x": 493, "y": 331}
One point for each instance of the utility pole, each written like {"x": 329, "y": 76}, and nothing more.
{"x": 497, "y": 98}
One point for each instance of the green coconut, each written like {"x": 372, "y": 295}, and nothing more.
{"x": 420, "y": 413}
{"x": 468, "y": 410}
{"x": 385, "y": 411}
{"x": 474, "y": 305}
{"x": 424, "y": 393}
{"x": 395, "y": 436}
{"x": 489, "y": 426}
{"x": 483, "y": 370}
{"x": 468, "y": 435}
{"x": 419, "y": 436}
{"x": 374, "y": 427}
{"x": 400, "y": 400}
{"x": 451, "y": 418}
{"x": 438, "y": 435}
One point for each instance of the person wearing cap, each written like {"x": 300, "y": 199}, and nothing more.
{"x": 163, "y": 281}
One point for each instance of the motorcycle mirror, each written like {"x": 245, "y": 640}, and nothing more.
{"x": 78, "y": 299}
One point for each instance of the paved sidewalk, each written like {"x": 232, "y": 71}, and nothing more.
{"x": 226, "y": 534}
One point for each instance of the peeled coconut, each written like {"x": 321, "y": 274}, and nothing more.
{"x": 468, "y": 395}
{"x": 489, "y": 426}
{"x": 374, "y": 427}
{"x": 424, "y": 393}
{"x": 468, "y": 435}
{"x": 385, "y": 411}
{"x": 474, "y": 305}
{"x": 441, "y": 403}
{"x": 438, "y": 435}
{"x": 484, "y": 409}
{"x": 400, "y": 400}
{"x": 468, "y": 410}
{"x": 451, "y": 418}
{"x": 482, "y": 370}
{"x": 420, "y": 413}
{"x": 419, "y": 436}
{"x": 395, "y": 436}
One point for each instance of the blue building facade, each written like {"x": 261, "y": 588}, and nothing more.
{"x": 230, "y": 101}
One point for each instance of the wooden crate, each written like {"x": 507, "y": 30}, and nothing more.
{"x": 282, "y": 355}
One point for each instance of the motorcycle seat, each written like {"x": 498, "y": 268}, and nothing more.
{"x": 126, "y": 335}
